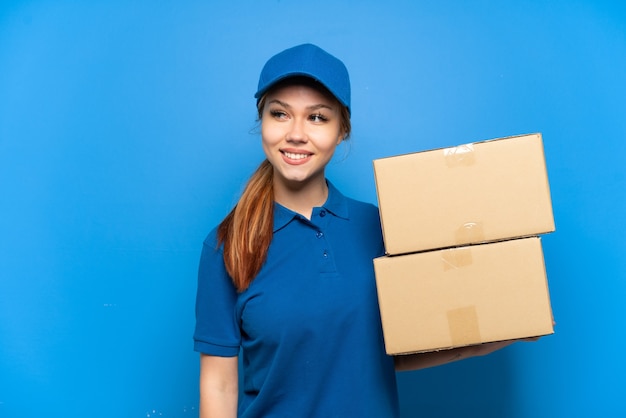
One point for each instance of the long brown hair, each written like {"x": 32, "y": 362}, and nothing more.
{"x": 247, "y": 230}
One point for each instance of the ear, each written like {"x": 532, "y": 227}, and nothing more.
{"x": 341, "y": 137}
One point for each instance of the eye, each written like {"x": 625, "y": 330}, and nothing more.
{"x": 318, "y": 117}
{"x": 278, "y": 114}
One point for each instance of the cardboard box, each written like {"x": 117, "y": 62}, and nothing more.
{"x": 473, "y": 193}
{"x": 463, "y": 296}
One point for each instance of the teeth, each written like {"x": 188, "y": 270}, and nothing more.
{"x": 295, "y": 156}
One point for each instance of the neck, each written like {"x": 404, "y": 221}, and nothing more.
{"x": 301, "y": 198}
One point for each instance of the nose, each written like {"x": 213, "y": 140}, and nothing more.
{"x": 297, "y": 131}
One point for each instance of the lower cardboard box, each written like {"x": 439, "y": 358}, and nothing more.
{"x": 461, "y": 296}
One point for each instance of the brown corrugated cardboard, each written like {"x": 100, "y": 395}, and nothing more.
{"x": 480, "y": 192}
{"x": 462, "y": 296}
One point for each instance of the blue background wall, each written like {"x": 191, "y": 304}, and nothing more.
{"x": 127, "y": 129}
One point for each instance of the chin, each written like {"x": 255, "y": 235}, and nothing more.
{"x": 295, "y": 179}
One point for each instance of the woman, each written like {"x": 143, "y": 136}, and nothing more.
{"x": 286, "y": 280}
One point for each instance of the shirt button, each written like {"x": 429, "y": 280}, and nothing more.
{"x": 322, "y": 213}
{"x": 319, "y": 234}
{"x": 325, "y": 254}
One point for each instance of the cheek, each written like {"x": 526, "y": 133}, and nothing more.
{"x": 269, "y": 134}
{"x": 329, "y": 146}
{"x": 335, "y": 137}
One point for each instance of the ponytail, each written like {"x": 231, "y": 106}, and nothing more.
{"x": 247, "y": 230}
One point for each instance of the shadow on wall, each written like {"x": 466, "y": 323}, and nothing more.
{"x": 478, "y": 387}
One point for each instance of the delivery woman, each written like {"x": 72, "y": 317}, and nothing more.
{"x": 286, "y": 280}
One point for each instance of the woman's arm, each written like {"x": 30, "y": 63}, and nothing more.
{"x": 218, "y": 386}
{"x": 437, "y": 358}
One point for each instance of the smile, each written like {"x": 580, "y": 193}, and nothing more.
{"x": 295, "y": 156}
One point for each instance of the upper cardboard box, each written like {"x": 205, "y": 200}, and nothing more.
{"x": 468, "y": 194}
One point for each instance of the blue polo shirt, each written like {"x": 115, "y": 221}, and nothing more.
{"x": 308, "y": 327}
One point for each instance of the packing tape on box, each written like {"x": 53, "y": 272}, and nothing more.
{"x": 455, "y": 258}
{"x": 463, "y": 326}
{"x": 470, "y": 232}
{"x": 461, "y": 155}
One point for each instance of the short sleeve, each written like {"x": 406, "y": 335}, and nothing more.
{"x": 217, "y": 328}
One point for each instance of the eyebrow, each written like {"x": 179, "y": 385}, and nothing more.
{"x": 312, "y": 107}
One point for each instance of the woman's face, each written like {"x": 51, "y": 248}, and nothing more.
{"x": 300, "y": 129}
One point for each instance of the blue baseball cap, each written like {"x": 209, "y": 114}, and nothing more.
{"x": 307, "y": 60}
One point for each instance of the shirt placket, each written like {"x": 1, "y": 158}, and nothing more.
{"x": 321, "y": 218}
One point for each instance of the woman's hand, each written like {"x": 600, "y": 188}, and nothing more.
{"x": 438, "y": 358}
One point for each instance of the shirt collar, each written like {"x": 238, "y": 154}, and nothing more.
{"x": 336, "y": 204}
